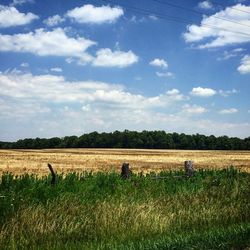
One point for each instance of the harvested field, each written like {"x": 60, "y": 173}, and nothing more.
{"x": 69, "y": 160}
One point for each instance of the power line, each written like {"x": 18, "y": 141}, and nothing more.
{"x": 223, "y": 5}
{"x": 198, "y": 12}
{"x": 172, "y": 18}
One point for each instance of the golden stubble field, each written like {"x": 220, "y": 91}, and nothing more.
{"x": 69, "y": 160}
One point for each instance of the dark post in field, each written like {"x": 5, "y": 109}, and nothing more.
{"x": 189, "y": 169}
{"x": 53, "y": 180}
{"x": 126, "y": 172}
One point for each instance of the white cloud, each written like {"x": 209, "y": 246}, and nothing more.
{"x": 56, "y": 69}
{"x": 10, "y": 16}
{"x": 159, "y": 63}
{"x": 164, "y": 74}
{"x": 205, "y": 5}
{"x": 43, "y": 103}
{"x": 222, "y": 35}
{"x": 86, "y": 108}
{"x": 226, "y": 93}
{"x": 107, "y": 58}
{"x": 20, "y": 2}
{"x": 230, "y": 54}
{"x": 58, "y": 43}
{"x": 24, "y": 65}
{"x": 53, "y": 20}
{"x": 203, "y": 92}
{"x": 51, "y": 88}
{"x": 69, "y": 60}
{"x": 46, "y": 43}
{"x": 193, "y": 109}
{"x": 173, "y": 92}
{"x": 228, "y": 111}
{"x": 153, "y": 17}
{"x": 244, "y": 67}
{"x": 95, "y": 15}
{"x": 90, "y": 118}
{"x": 23, "y": 109}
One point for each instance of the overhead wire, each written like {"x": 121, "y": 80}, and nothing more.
{"x": 171, "y": 18}
{"x": 224, "y": 5}
{"x": 198, "y": 12}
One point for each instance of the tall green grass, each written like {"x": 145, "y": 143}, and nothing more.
{"x": 101, "y": 211}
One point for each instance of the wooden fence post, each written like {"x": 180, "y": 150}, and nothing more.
{"x": 189, "y": 170}
{"x": 125, "y": 171}
{"x": 53, "y": 180}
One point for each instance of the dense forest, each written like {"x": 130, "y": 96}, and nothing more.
{"x": 133, "y": 139}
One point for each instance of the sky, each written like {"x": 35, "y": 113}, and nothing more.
{"x": 74, "y": 67}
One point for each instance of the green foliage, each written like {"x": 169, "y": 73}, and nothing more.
{"x": 133, "y": 139}
{"x": 102, "y": 211}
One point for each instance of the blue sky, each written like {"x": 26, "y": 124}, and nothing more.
{"x": 73, "y": 67}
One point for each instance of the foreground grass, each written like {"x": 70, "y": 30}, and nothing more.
{"x": 102, "y": 211}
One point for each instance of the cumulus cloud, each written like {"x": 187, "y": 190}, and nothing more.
{"x": 88, "y": 13}
{"x": 45, "y": 43}
{"x": 10, "y": 16}
{"x": 44, "y": 102}
{"x": 51, "y": 88}
{"x": 193, "y": 109}
{"x": 203, "y": 92}
{"x": 244, "y": 67}
{"x": 58, "y": 43}
{"x": 54, "y": 20}
{"x": 206, "y": 5}
{"x": 108, "y": 58}
{"x": 228, "y": 111}
{"x": 221, "y": 36}
{"x": 159, "y": 63}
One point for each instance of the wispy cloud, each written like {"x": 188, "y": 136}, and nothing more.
{"x": 21, "y": 2}
{"x": 54, "y": 20}
{"x": 164, "y": 74}
{"x": 56, "y": 69}
{"x": 228, "y": 111}
{"x": 226, "y": 93}
{"x": 24, "y": 65}
{"x": 230, "y": 54}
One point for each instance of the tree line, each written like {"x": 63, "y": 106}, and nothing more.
{"x": 133, "y": 139}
